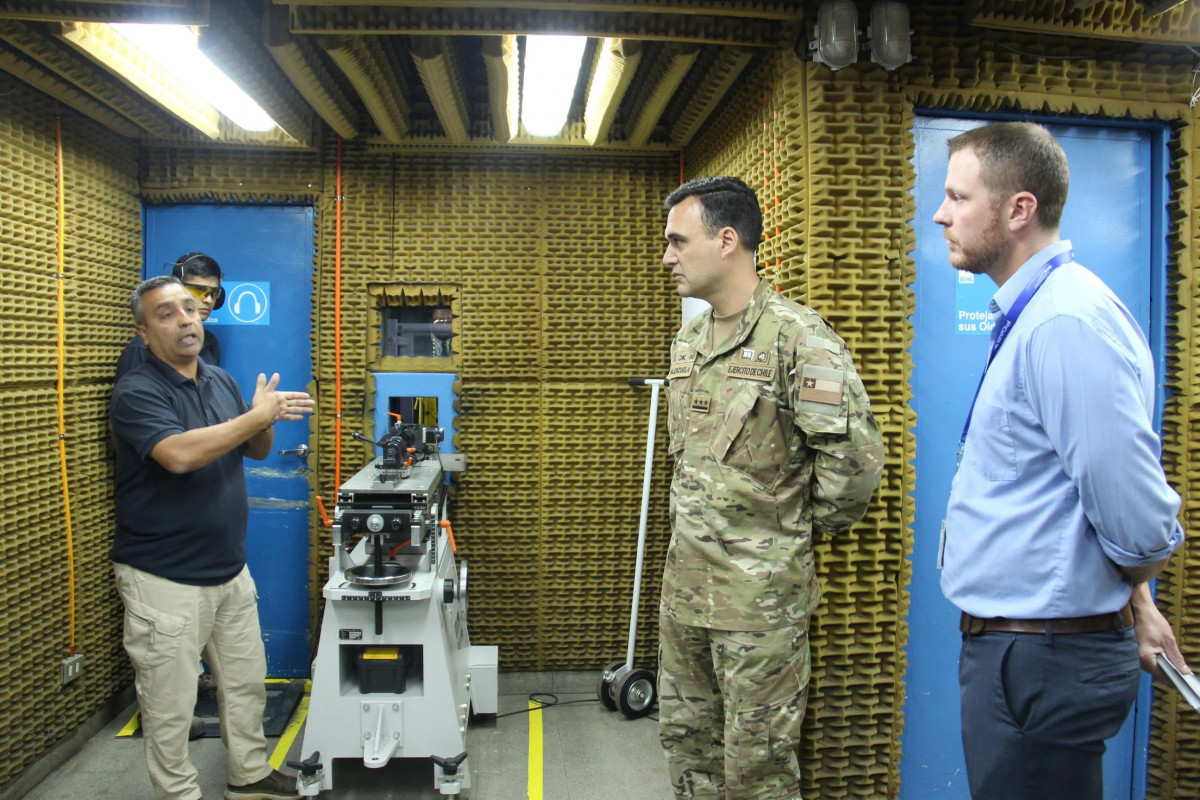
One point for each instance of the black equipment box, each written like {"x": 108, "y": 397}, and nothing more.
{"x": 381, "y": 670}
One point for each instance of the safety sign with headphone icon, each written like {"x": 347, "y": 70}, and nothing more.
{"x": 245, "y": 304}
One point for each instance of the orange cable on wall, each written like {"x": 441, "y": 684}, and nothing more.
{"x": 775, "y": 171}
{"x": 60, "y": 277}
{"x": 337, "y": 322}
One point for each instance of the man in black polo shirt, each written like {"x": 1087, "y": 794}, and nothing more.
{"x": 181, "y": 428}
{"x": 201, "y": 275}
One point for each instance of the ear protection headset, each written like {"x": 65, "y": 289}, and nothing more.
{"x": 184, "y": 260}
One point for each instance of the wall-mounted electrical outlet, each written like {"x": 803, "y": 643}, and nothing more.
{"x": 72, "y": 668}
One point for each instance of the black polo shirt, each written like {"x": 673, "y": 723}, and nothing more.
{"x": 189, "y": 528}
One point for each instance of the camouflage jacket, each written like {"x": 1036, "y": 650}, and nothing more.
{"x": 773, "y": 438}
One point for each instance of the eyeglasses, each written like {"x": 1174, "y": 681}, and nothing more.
{"x": 202, "y": 292}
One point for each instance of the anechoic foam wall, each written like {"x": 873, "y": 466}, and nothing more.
{"x": 829, "y": 154}
{"x": 1174, "y": 759}
{"x": 102, "y": 249}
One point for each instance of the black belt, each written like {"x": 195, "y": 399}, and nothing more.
{"x": 1098, "y": 623}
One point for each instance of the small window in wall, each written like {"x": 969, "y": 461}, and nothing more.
{"x": 418, "y": 331}
{"x": 415, "y": 327}
{"x": 414, "y": 410}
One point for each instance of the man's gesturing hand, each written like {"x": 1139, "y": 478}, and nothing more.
{"x": 278, "y": 404}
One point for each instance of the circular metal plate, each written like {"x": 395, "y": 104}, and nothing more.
{"x": 392, "y": 573}
{"x": 462, "y": 585}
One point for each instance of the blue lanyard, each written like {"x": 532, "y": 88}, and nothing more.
{"x": 1006, "y": 323}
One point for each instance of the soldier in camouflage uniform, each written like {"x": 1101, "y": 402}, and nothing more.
{"x": 773, "y": 439}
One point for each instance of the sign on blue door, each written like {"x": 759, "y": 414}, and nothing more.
{"x": 246, "y": 303}
{"x": 972, "y": 293}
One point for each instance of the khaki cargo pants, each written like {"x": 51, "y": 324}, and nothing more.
{"x": 167, "y": 626}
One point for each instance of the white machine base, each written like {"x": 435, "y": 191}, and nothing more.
{"x": 447, "y": 678}
{"x": 423, "y": 714}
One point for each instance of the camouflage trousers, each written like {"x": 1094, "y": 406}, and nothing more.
{"x": 730, "y": 705}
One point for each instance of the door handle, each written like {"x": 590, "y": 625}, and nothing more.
{"x": 302, "y": 451}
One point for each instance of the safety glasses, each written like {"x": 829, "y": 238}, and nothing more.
{"x": 202, "y": 293}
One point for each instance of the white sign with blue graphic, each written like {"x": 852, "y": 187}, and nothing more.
{"x": 971, "y": 297}
{"x": 246, "y": 303}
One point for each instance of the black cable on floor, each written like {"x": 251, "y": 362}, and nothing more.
{"x": 554, "y": 701}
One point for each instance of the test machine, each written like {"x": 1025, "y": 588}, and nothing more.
{"x": 396, "y": 675}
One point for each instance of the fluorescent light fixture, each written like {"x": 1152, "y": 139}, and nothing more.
{"x": 836, "y": 44}
{"x": 175, "y": 48}
{"x": 1156, "y": 7}
{"x": 551, "y": 72}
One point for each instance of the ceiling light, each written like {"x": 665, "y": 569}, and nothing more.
{"x": 888, "y": 35}
{"x": 836, "y": 44}
{"x": 548, "y": 83}
{"x": 1156, "y": 7}
{"x": 174, "y": 47}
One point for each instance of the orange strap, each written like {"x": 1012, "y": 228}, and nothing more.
{"x": 324, "y": 513}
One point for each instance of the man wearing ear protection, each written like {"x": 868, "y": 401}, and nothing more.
{"x": 201, "y": 276}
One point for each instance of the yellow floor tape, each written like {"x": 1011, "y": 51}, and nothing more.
{"x": 292, "y": 730}
{"x": 130, "y": 727}
{"x": 535, "y": 750}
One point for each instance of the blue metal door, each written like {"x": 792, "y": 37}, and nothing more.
{"x": 1114, "y": 217}
{"x": 266, "y": 255}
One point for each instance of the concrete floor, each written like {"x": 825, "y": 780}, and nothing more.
{"x": 588, "y": 753}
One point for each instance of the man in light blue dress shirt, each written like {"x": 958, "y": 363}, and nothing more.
{"x": 1060, "y": 512}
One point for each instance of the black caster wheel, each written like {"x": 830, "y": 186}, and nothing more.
{"x": 636, "y": 693}
{"x": 607, "y": 691}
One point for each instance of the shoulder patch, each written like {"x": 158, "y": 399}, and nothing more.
{"x": 823, "y": 343}
{"x": 821, "y": 385}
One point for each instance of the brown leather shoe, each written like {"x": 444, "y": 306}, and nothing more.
{"x": 275, "y": 786}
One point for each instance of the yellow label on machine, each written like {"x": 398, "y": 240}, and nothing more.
{"x": 381, "y": 653}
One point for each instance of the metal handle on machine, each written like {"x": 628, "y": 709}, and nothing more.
{"x": 368, "y": 440}
{"x": 302, "y": 452}
{"x": 309, "y": 766}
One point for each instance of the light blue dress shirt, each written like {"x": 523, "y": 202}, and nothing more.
{"x": 1060, "y": 479}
